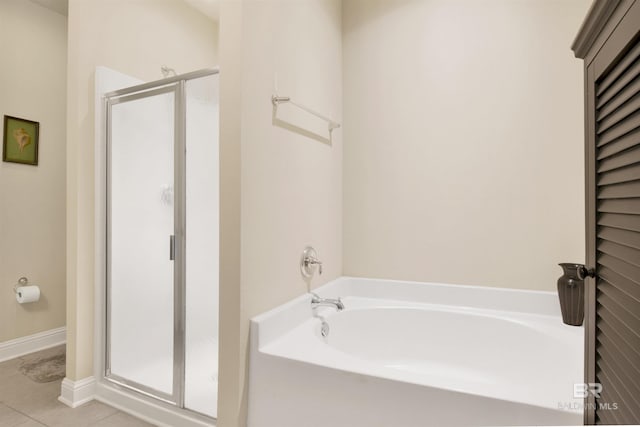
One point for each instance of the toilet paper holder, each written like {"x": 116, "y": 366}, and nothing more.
{"x": 23, "y": 281}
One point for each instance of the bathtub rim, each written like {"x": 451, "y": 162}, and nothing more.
{"x": 299, "y": 308}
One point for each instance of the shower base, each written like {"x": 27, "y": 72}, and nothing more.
{"x": 201, "y": 376}
{"x": 201, "y": 390}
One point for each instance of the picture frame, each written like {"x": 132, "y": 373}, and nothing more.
{"x": 20, "y": 140}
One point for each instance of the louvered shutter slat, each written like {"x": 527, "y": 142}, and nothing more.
{"x": 618, "y": 239}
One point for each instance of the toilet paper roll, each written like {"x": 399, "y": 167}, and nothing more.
{"x": 26, "y": 294}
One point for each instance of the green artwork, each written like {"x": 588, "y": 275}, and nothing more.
{"x": 20, "y": 143}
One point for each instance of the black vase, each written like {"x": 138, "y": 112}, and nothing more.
{"x": 571, "y": 293}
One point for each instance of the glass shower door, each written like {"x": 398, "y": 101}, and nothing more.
{"x": 142, "y": 352}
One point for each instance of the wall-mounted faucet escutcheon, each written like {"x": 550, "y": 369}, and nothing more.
{"x": 309, "y": 262}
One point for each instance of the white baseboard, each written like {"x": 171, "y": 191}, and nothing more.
{"x": 36, "y": 342}
{"x": 76, "y": 393}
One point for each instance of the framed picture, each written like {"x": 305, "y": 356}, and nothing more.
{"x": 20, "y": 142}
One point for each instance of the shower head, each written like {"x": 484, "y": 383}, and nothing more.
{"x": 167, "y": 72}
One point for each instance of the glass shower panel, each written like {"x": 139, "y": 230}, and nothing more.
{"x": 202, "y": 206}
{"x": 141, "y": 223}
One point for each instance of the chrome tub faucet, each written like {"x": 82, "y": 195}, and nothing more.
{"x": 316, "y": 301}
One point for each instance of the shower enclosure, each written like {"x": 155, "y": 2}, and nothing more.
{"x": 162, "y": 204}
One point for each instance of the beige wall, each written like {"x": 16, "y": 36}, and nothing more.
{"x": 135, "y": 38}
{"x": 463, "y": 140}
{"x": 291, "y": 183}
{"x": 231, "y": 366}
{"x": 33, "y": 42}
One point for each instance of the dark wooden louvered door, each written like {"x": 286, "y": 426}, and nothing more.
{"x": 613, "y": 312}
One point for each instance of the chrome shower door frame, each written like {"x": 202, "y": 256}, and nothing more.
{"x": 175, "y": 85}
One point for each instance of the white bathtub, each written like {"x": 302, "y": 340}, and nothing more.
{"x": 415, "y": 354}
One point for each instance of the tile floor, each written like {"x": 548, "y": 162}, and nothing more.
{"x": 25, "y": 403}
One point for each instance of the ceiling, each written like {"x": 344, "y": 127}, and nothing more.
{"x": 58, "y": 6}
{"x": 211, "y": 8}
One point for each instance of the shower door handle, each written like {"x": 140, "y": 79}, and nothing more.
{"x": 172, "y": 247}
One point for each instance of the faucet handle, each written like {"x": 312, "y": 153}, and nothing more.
{"x": 308, "y": 261}
{"x": 317, "y": 262}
